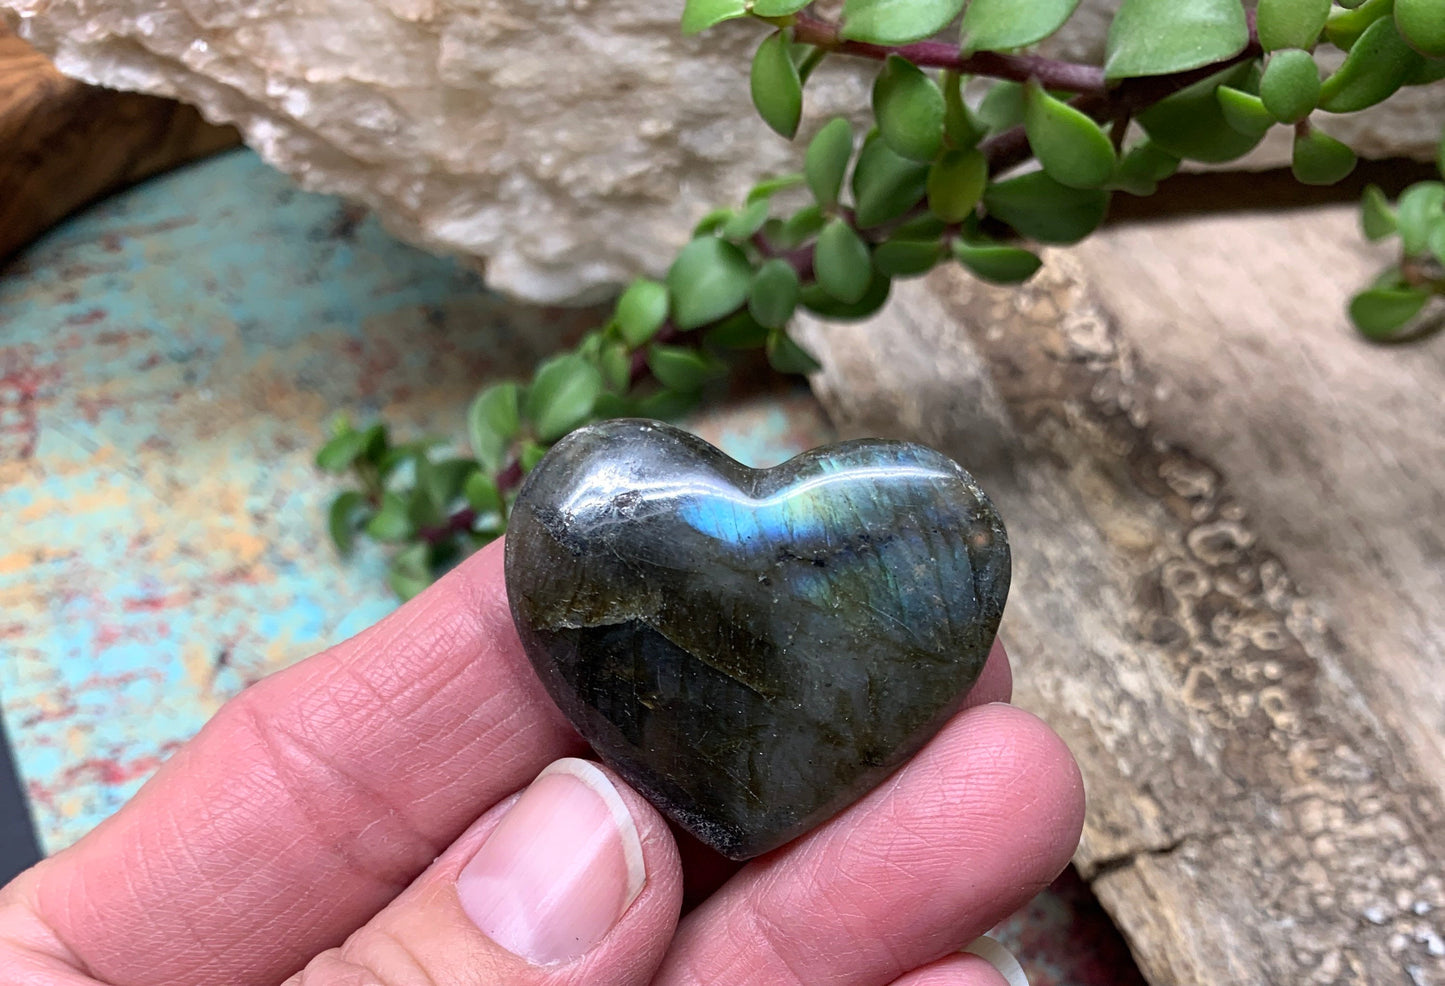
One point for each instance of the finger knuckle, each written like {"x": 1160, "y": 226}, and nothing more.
{"x": 375, "y": 959}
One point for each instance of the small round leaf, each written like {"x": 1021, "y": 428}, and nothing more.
{"x": 955, "y": 184}
{"x": 1158, "y": 37}
{"x": 699, "y": 15}
{"x": 482, "y": 494}
{"x": 1319, "y": 159}
{"x": 923, "y": 227}
{"x": 1245, "y": 112}
{"x": 1420, "y": 209}
{"x": 1143, "y": 167}
{"x": 997, "y": 263}
{"x": 1348, "y": 21}
{"x": 1290, "y": 23}
{"x": 776, "y": 87}
{"x": 641, "y": 311}
{"x": 713, "y": 221}
{"x": 1379, "y": 64}
{"x": 493, "y": 420}
{"x": 993, "y": 25}
{"x": 1431, "y": 70}
{"x": 1377, "y": 218}
{"x": 347, "y": 513}
{"x": 1191, "y": 124}
{"x": 742, "y": 226}
{"x": 615, "y": 362}
{"x": 820, "y": 302}
{"x": 680, "y": 367}
{"x": 740, "y": 331}
{"x": 801, "y": 226}
{"x": 532, "y": 453}
{"x": 392, "y": 522}
{"x": 1436, "y": 241}
{"x": 1422, "y": 24}
{"x": 709, "y": 279}
{"x": 786, "y": 356}
{"x": 1290, "y": 85}
{"x": 1069, "y": 145}
{"x": 885, "y": 184}
{"x": 1380, "y": 312}
{"x": 667, "y": 405}
{"x": 841, "y": 263}
{"x": 562, "y": 395}
{"x": 410, "y": 571}
{"x": 907, "y": 258}
{"x": 826, "y": 161}
{"x": 339, "y": 453}
{"x": 769, "y": 187}
{"x": 774, "y": 294}
{"x": 1002, "y": 107}
{"x": 1041, "y": 209}
{"x": 896, "y": 22}
{"x": 910, "y": 109}
{"x": 448, "y": 478}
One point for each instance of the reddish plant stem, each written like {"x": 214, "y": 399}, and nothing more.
{"x": 458, "y": 523}
{"x": 510, "y": 476}
{"x": 1054, "y": 74}
{"x": 1010, "y": 148}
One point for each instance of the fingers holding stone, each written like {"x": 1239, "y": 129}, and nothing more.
{"x": 981, "y": 819}
{"x": 966, "y": 969}
{"x": 576, "y": 880}
{"x": 706, "y": 870}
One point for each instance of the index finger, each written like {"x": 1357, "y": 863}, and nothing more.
{"x": 311, "y": 799}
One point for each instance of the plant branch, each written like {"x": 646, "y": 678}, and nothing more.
{"x": 1114, "y": 104}
{"x": 1054, "y": 74}
{"x": 1010, "y": 148}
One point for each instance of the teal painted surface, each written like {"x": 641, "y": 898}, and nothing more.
{"x": 167, "y": 363}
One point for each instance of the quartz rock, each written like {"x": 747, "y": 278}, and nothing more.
{"x": 753, "y": 649}
{"x": 567, "y": 146}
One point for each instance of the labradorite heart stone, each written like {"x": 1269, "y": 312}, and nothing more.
{"x": 753, "y": 649}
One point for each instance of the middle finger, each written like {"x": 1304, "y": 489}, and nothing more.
{"x": 974, "y": 825}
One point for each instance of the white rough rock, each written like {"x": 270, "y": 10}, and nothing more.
{"x": 566, "y": 144}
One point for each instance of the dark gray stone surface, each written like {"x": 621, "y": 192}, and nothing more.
{"x": 753, "y": 649}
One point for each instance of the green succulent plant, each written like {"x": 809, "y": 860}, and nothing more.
{"x": 979, "y": 151}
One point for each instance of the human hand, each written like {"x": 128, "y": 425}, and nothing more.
{"x": 355, "y": 819}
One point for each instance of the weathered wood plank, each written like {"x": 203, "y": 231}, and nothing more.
{"x": 64, "y": 144}
{"x": 1227, "y": 514}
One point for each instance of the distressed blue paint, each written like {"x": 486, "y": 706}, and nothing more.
{"x": 171, "y": 356}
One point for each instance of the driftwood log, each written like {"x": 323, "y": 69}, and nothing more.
{"x": 64, "y": 144}
{"x": 1228, "y": 515}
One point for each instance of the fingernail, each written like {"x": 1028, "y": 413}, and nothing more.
{"x": 560, "y": 868}
{"x": 1001, "y": 959}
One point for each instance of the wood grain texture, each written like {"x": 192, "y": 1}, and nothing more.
{"x": 1226, "y": 514}
{"x": 64, "y": 144}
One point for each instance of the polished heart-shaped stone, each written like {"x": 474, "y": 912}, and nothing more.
{"x": 753, "y": 649}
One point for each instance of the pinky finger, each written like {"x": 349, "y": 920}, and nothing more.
{"x": 984, "y": 963}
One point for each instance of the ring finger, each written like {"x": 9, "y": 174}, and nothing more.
{"x": 974, "y": 825}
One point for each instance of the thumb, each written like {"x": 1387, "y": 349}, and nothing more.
{"x": 575, "y": 880}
